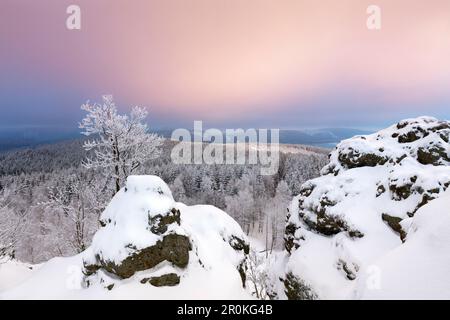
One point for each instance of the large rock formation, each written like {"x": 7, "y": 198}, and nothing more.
{"x": 143, "y": 227}
{"x": 150, "y": 247}
{"x": 140, "y": 229}
{"x": 343, "y": 221}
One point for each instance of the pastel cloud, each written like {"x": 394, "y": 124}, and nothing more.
{"x": 221, "y": 59}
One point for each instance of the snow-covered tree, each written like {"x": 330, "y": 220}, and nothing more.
{"x": 79, "y": 202}
{"x": 122, "y": 142}
{"x": 278, "y": 213}
{"x": 241, "y": 207}
{"x": 257, "y": 278}
{"x": 178, "y": 190}
{"x": 12, "y": 226}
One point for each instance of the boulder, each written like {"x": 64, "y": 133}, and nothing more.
{"x": 143, "y": 228}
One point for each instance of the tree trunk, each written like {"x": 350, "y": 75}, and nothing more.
{"x": 116, "y": 154}
{"x": 267, "y": 235}
{"x": 117, "y": 181}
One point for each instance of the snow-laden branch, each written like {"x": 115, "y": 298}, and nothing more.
{"x": 122, "y": 142}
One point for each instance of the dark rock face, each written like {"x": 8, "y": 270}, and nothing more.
{"x": 330, "y": 225}
{"x": 433, "y": 155}
{"x": 159, "y": 223}
{"x": 296, "y": 289}
{"x": 242, "y": 269}
{"x": 350, "y": 269}
{"x": 380, "y": 190}
{"x": 401, "y": 191}
{"x": 290, "y": 241}
{"x": 173, "y": 248}
{"x": 90, "y": 269}
{"x": 170, "y": 279}
{"x": 307, "y": 189}
{"x": 166, "y": 280}
{"x": 394, "y": 223}
{"x": 355, "y": 159}
{"x": 321, "y": 222}
{"x": 417, "y": 131}
{"x": 240, "y": 245}
{"x": 413, "y": 135}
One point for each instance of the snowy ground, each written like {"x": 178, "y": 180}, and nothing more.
{"x": 12, "y": 273}
{"x": 59, "y": 278}
{"x": 211, "y": 272}
{"x": 419, "y": 268}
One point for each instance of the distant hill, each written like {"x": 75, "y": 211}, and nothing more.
{"x": 26, "y": 137}
{"x": 327, "y": 137}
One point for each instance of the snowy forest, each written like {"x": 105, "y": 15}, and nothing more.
{"x": 51, "y": 196}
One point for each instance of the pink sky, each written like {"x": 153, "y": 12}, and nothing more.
{"x": 222, "y": 60}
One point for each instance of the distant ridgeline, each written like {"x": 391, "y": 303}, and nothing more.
{"x": 326, "y": 138}
{"x": 26, "y": 137}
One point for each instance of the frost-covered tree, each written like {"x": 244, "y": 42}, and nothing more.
{"x": 122, "y": 142}
{"x": 79, "y": 201}
{"x": 278, "y": 212}
{"x": 7, "y": 230}
{"x": 257, "y": 278}
{"x": 178, "y": 190}
{"x": 240, "y": 207}
{"x": 12, "y": 226}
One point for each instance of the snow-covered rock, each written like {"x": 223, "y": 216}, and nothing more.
{"x": 357, "y": 211}
{"x": 419, "y": 268}
{"x": 141, "y": 227}
{"x": 424, "y": 139}
{"x": 149, "y": 247}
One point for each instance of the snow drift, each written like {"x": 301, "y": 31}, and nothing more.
{"x": 354, "y": 231}
{"x": 418, "y": 269}
{"x": 149, "y": 247}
